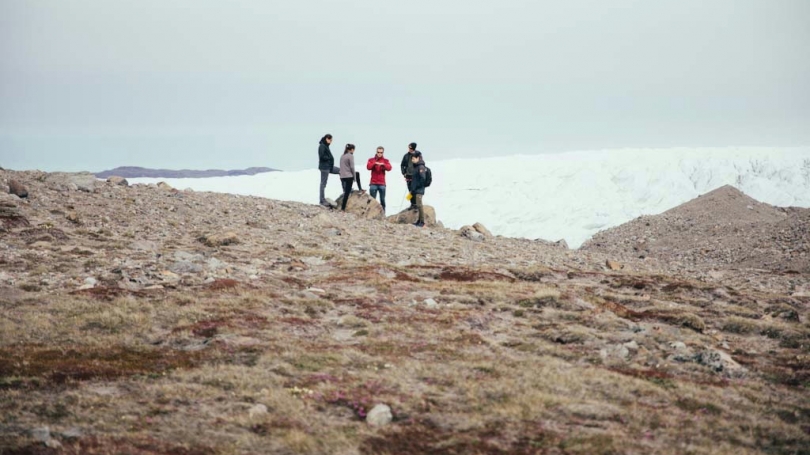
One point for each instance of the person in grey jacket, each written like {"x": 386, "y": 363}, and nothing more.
{"x": 326, "y": 164}
{"x": 347, "y": 174}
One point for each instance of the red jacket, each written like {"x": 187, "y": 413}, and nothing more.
{"x": 378, "y": 170}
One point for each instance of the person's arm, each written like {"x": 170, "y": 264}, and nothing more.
{"x": 387, "y": 165}
{"x": 370, "y": 164}
{"x": 322, "y": 152}
{"x": 404, "y": 165}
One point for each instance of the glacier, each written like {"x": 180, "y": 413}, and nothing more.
{"x": 569, "y": 195}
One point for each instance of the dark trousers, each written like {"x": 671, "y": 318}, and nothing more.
{"x": 324, "y": 177}
{"x": 373, "y": 189}
{"x": 347, "y": 190}
{"x": 418, "y": 203}
{"x": 409, "y": 182}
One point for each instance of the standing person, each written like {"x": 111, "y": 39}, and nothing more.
{"x": 348, "y": 174}
{"x": 326, "y": 164}
{"x": 407, "y": 168}
{"x": 378, "y": 165}
{"x": 418, "y": 186}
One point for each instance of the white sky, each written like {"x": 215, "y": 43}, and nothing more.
{"x": 94, "y": 84}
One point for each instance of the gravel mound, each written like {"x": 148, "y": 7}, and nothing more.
{"x": 718, "y": 230}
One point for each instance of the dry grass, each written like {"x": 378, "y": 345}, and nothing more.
{"x": 503, "y": 366}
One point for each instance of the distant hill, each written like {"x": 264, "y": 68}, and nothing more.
{"x": 135, "y": 172}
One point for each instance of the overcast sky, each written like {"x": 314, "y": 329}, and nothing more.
{"x": 94, "y": 84}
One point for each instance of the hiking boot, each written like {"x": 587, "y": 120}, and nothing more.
{"x": 419, "y": 224}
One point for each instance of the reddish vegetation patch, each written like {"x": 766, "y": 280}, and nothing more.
{"x": 209, "y": 328}
{"x": 222, "y": 284}
{"x": 460, "y": 274}
{"x": 663, "y": 378}
{"x": 102, "y": 446}
{"x": 110, "y": 293}
{"x": 10, "y": 222}
{"x": 424, "y": 437}
{"x": 82, "y": 363}
{"x": 35, "y": 234}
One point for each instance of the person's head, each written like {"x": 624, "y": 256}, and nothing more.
{"x": 417, "y": 155}
{"x": 327, "y": 139}
{"x": 412, "y": 147}
{"x": 349, "y": 148}
{"x": 380, "y": 152}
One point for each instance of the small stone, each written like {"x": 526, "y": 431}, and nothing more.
{"x": 73, "y": 217}
{"x": 678, "y": 345}
{"x": 91, "y": 281}
{"x": 613, "y": 265}
{"x": 379, "y": 416}
{"x": 430, "y": 303}
{"x": 257, "y": 410}
{"x": 41, "y": 434}
{"x": 220, "y": 239}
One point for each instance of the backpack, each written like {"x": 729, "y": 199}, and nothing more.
{"x": 428, "y": 177}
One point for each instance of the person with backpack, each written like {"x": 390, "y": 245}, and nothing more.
{"x": 326, "y": 164}
{"x": 422, "y": 178}
{"x": 348, "y": 174}
{"x": 378, "y": 165}
{"x": 407, "y": 169}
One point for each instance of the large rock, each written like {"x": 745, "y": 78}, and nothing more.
{"x": 71, "y": 181}
{"x": 220, "y": 239}
{"x": 409, "y": 216}
{"x": 483, "y": 230}
{"x": 379, "y": 416}
{"x": 116, "y": 180}
{"x": 362, "y": 205}
{"x": 471, "y": 233}
{"x": 17, "y": 188}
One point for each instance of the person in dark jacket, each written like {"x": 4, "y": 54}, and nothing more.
{"x": 326, "y": 164}
{"x": 407, "y": 168}
{"x": 348, "y": 174}
{"x": 418, "y": 186}
{"x": 378, "y": 165}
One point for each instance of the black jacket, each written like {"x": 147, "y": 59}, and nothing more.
{"x": 406, "y": 166}
{"x": 419, "y": 176}
{"x": 325, "y": 159}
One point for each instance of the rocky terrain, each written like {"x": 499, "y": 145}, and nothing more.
{"x": 136, "y": 172}
{"x": 723, "y": 229}
{"x": 143, "y": 319}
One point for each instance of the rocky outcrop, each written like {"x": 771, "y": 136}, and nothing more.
{"x": 10, "y": 214}
{"x": 71, "y": 181}
{"x": 220, "y": 239}
{"x": 409, "y": 216}
{"x": 362, "y": 205}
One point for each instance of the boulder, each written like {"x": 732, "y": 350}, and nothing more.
{"x": 116, "y": 180}
{"x": 16, "y": 188}
{"x": 471, "y": 233}
{"x": 379, "y": 416}
{"x": 220, "y": 239}
{"x": 483, "y": 230}
{"x": 362, "y": 205}
{"x": 613, "y": 265}
{"x": 409, "y": 216}
{"x": 164, "y": 186}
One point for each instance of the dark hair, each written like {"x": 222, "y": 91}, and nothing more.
{"x": 417, "y": 154}
{"x": 325, "y": 137}
{"x": 412, "y": 146}
{"x": 348, "y": 147}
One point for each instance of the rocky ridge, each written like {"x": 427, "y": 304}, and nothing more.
{"x": 723, "y": 229}
{"x": 137, "y": 316}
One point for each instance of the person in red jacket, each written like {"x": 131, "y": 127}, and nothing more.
{"x": 378, "y": 166}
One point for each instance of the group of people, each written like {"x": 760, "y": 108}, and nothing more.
{"x": 412, "y": 166}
